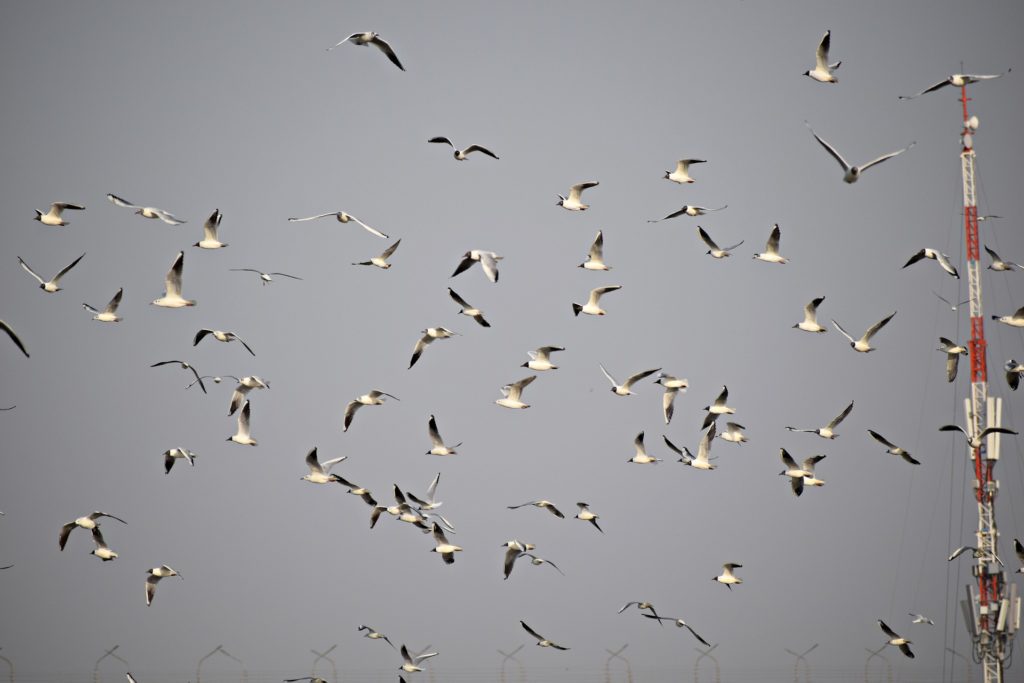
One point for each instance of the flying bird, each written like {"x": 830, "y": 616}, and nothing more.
{"x": 184, "y": 366}
{"x": 172, "y": 455}
{"x": 265, "y": 278}
{"x": 411, "y": 662}
{"x": 974, "y": 442}
{"x": 54, "y": 215}
{"x": 717, "y": 408}
{"x": 86, "y": 522}
{"x": 488, "y": 260}
{"x": 771, "y": 248}
{"x": 1015, "y": 320}
{"x": 587, "y": 516}
{"x": 672, "y": 386}
{"x": 474, "y": 313}
{"x": 430, "y": 503}
{"x": 822, "y": 71}
{"x": 102, "y": 550}
{"x": 512, "y": 393}
{"x": 372, "y": 398}
{"x": 108, "y": 314}
{"x": 592, "y": 307}
{"x": 953, "y": 352}
{"x": 220, "y": 336}
{"x": 733, "y": 433}
{"x": 573, "y": 201}
{"x": 172, "y": 286}
{"x": 210, "y": 240}
{"x": 543, "y": 505}
{"x": 957, "y": 81}
{"x": 895, "y": 639}
{"x": 146, "y": 211}
{"x": 953, "y": 307}
{"x": 155, "y": 574}
{"x": 714, "y": 251}
{"x": 374, "y": 634}
{"x": 514, "y": 549}
{"x": 679, "y": 624}
{"x": 541, "y": 640}
{"x": 462, "y": 154}
{"x": 863, "y": 345}
{"x": 641, "y": 457}
{"x": 595, "y": 257}
{"x": 829, "y": 430}
{"x": 920, "y": 619}
{"x": 810, "y": 321}
{"x": 241, "y": 435}
{"x": 429, "y": 335}
{"x": 380, "y": 261}
{"x": 975, "y": 554}
{"x": 540, "y": 360}
{"x": 342, "y": 218}
{"x": 437, "y": 444}
{"x": 682, "y": 173}
{"x": 800, "y": 474}
{"x": 320, "y": 472}
{"x": 689, "y": 210}
{"x": 727, "y": 577}
{"x": 850, "y": 172}
{"x": 938, "y": 257}
{"x": 999, "y": 265}
{"x": 245, "y": 385}
{"x": 53, "y": 284}
{"x": 1012, "y": 368}
{"x": 624, "y": 388}
{"x": 891, "y": 448}
{"x": 371, "y": 38}
{"x": 443, "y": 547}
{"x": 538, "y": 561}
{"x": 641, "y": 605}
{"x": 14, "y": 337}
{"x": 703, "y": 459}
{"x": 1018, "y": 548}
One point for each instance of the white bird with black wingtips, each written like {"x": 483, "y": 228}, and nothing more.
{"x": 974, "y": 442}
{"x": 595, "y": 257}
{"x": 172, "y": 286}
{"x": 810, "y": 321}
{"x": 822, "y": 71}
{"x": 957, "y": 81}
{"x": 673, "y": 386}
{"x": 1015, "y": 320}
{"x": 829, "y": 430}
{"x": 342, "y": 217}
{"x": 220, "y": 336}
{"x": 512, "y": 394}
{"x": 891, "y": 448}
{"x": 242, "y": 435}
{"x": 682, "y": 173}
{"x": 488, "y": 260}
{"x": 86, "y": 522}
{"x": 468, "y": 310}
{"x": 146, "y": 211}
{"x": 541, "y": 640}
{"x": 54, "y": 216}
{"x": 155, "y": 574}
{"x": 172, "y": 455}
{"x": 380, "y": 261}
{"x": 463, "y": 154}
{"x": 624, "y": 388}
{"x": 437, "y": 446}
{"x": 574, "y": 201}
{"x": 714, "y": 251}
{"x": 320, "y": 472}
{"x": 540, "y": 359}
{"x": 938, "y": 257}
{"x": 999, "y": 265}
{"x": 850, "y": 172}
{"x": 592, "y": 306}
{"x": 863, "y": 345}
{"x": 429, "y": 335}
{"x": 53, "y": 284}
{"x": 641, "y": 457}
{"x": 953, "y": 352}
{"x": 210, "y": 227}
{"x": 372, "y": 398}
{"x": 689, "y": 210}
{"x": 371, "y": 38}
{"x": 108, "y": 314}
{"x": 896, "y": 640}
{"x": 771, "y": 248}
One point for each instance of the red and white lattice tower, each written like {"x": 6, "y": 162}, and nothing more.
{"x": 993, "y": 613}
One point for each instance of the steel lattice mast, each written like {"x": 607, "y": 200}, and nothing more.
{"x": 993, "y": 614}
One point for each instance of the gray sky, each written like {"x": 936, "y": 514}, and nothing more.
{"x": 191, "y": 106}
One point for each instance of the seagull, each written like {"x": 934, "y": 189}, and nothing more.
{"x": 587, "y": 516}
{"x": 54, "y": 217}
{"x": 241, "y": 436}
{"x": 542, "y": 504}
{"x": 146, "y": 211}
{"x": 374, "y": 634}
{"x": 429, "y": 335}
{"x": 572, "y": 202}
{"x": 595, "y": 257}
{"x": 799, "y": 474}
{"x": 591, "y": 307}
{"x": 102, "y": 550}
{"x": 641, "y": 457}
{"x": 311, "y": 679}
{"x": 727, "y": 577}
{"x": 411, "y": 661}
{"x": 624, "y": 388}
{"x": 682, "y": 173}
{"x": 537, "y": 561}
{"x": 953, "y": 307}
{"x": 371, "y": 38}
{"x": 474, "y": 313}
{"x": 373, "y": 398}
{"x": 53, "y": 284}
{"x": 641, "y": 605}
{"x": 717, "y": 408}
{"x": 245, "y": 385}
{"x": 953, "y": 352}
{"x": 437, "y": 444}
{"x": 382, "y": 260}
{"x": 1013, "y": 372}
{"x": 829, "y": 430}
{"x": 703, "y": 460}
{"x": 488, "y": 260}
{"x": 975, "y": 553}
{"x": 541, "y": 640}
{"x": 734, "y": 433}
{"x": 999, "y": 265}
{"x": 920, "y": 619}
{"x": 1019, "y": 549}
{"x": 852, "y": 173}
{"x": 894, "y": 639}
{"x": 822, "y": 71}
{"x": 184, "y": 366}
{"x": 173, "y": 454}
{"x": 210, "y": 240}
{"x": 265, "y": 278}
{"x": 957, "y": 81}
{"x": 975, "y": 442}
{"x": 771, "y": 248}
{"x": 463, "y": 154}
{"x": 512, "y": 393}
{"x": 86, "y": 522}
{"x": 713, "y": 249}
{"x": 155, "y": 574}
{"x": 673, "y": 386}
{"x": 446, "y": 549}
{"x": 810, "y": 321}
{"x": 14, "y": 337}
{"x": 319, "y": 472}
{"x": 221, "y": 337}
{"x": 1015, "y": 320}
{"x": 540, "y": 360}
{"x": 172, "y": 286}
{"x": 429, "y": 503}
{"x": 689, "y": 210}
{"x": 679, "y": 624}
{"x": 514, "y": 550}
{"x": 938, "y": 257}
{"x": 863, "y": 345}
{"x": 108, "y": 314}
{"x": 342, "y": 218}
{"x": 891, "y": 448}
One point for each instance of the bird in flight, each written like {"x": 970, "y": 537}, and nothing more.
{"x": 146, "y": 211}
{"x": 342, "y": 218}
{"x": 108, "y": 314}
{"x": 957, "y": 81}
{"x": 822, "y": 71}
{"x": 863, "y": 345}
{"x": 53, "y": 284}
{"x": 371, "y": 38}
{"x": 573, "y": 202}
{"x": 54, "y": 215}
{"x": 850, "y": 172}
{"x": 463, "y": 154}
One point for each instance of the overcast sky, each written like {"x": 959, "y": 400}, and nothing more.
{"x": 191, "y": 106}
